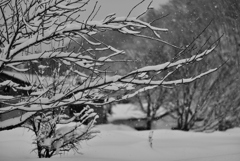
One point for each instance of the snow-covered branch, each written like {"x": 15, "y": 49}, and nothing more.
{"x": 15, "y": 122}
{"x": 45, "y": 21}
{"x": 36, "y": 36}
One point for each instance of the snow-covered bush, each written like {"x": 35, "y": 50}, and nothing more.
{"x": 52, "y": 140}
{"x": 27, "y": 25}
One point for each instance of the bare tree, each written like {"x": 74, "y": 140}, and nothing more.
{"x": 27, "y": 24}
{"x": 209, "y": 103}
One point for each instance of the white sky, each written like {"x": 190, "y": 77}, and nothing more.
{"x": 121, "y": 7}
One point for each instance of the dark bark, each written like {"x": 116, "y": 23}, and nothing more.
{"x": 149, "y": 124}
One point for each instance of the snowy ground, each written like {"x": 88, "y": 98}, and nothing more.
{"x": 120, "y": 143}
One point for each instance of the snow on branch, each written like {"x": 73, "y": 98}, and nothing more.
{"x": 50, "y": 21}
{"x": 150, "y": 84}
{"x": 178, "y": 63}
{"x": 15, "y": 122}
{"x": 173, "y": 82}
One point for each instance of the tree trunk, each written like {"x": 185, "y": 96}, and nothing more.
{"x": 39, "y": 149}
{"x": 149, "y": 124}
{"x": 47, "y": 153}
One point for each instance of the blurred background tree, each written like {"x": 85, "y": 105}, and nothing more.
{"x": 211, "y": 103}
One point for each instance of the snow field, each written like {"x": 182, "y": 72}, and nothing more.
{"x": 121, "y": 143}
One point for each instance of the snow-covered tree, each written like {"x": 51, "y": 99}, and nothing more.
{"x": 27, "y": 25}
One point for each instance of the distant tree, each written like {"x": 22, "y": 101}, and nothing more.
{"x": 26, "y": 24}
{"x": 204, "y": 104}
{"x": 154, "y": 103}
